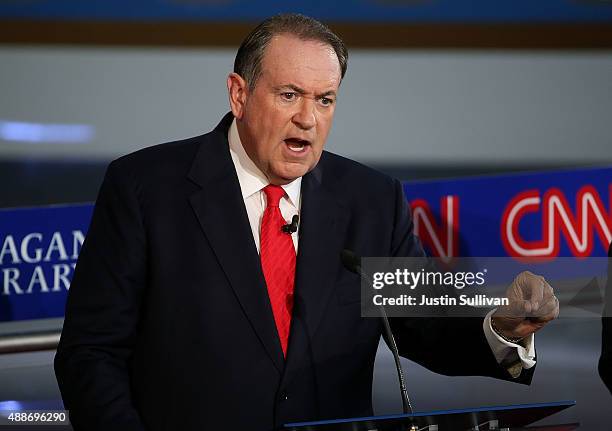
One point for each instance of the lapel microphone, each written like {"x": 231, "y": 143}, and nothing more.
{"x": 291, "y": 227}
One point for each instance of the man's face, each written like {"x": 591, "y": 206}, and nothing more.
{"x": 284, "y": 122}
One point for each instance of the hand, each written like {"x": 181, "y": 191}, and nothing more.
{"x": 532, "y": 304}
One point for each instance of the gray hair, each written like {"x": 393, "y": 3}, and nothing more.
{"x": 250, "y": 54}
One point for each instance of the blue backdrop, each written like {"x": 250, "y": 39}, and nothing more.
{"x": 561, "y": 213}
{"x": 348, "y": 10}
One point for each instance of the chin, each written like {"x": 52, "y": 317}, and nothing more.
{"x": 289, "y": 175}
{"x": 286, "y": 179}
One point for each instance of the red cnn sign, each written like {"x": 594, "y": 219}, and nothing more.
{"x": 441, "y": 238}
{"x": 558, "y": 220}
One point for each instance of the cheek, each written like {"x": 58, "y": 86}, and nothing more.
{"x": 325, "y": 123}
{"x": 267, "y": 117}
{"x": 275, "y": 123}
{"x": 322, "y": 133}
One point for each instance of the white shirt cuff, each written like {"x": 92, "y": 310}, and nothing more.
{"x": 514, "y": 357}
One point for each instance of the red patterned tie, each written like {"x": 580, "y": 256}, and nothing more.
{"x": 278, "y": 262}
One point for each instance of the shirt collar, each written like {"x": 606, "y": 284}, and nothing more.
{"x": 251, "y": 179}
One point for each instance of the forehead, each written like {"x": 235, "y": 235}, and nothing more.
{"x": 307, "y": 63}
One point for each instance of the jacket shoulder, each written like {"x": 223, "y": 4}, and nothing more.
{"x": 346, "y": 172}
{"x": 158, "y": 159}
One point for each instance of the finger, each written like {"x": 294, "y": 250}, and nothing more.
{"x": 533, "y": 287}
{"x": 549, "y": 292}
{"x": 548, "y": 312}
{"x": 546, "y": 308}
{"x": 547, "y": 302}
{"x": 517, "y": 308}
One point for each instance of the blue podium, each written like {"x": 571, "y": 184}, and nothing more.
{"x": 501, "y": 418}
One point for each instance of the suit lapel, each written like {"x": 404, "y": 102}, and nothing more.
{"x": 220, "y": 210}
{"x": 322, "y": 227}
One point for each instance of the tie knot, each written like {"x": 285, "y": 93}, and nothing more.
{"x": 274, "y": 194}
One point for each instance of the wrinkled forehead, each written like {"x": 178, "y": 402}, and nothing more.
{"x": 307, "y": 61}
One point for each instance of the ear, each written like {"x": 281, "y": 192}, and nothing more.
{"x": 237, "y": 90}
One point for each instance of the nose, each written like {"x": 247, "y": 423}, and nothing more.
{"x": 304, "y": 118}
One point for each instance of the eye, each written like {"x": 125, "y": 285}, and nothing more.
{"x": 326, "y": 101}
{"x": 288, "y": 96}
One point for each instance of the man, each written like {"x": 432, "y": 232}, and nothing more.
{"x": 189, "y": 307}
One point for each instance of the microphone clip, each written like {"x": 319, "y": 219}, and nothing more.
{"x": 292, "y": 227}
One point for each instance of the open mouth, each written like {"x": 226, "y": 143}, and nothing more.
{"x": 296, "y": 145}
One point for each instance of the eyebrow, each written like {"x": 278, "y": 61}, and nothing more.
{"x": 302, "y": 91}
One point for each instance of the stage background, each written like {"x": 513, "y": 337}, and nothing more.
{"x": 434, "y": 89}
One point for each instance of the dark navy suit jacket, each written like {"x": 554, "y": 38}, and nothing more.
{"x": 168, "y": 323}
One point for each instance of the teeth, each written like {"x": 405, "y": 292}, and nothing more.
{"x": 297, "y": 147}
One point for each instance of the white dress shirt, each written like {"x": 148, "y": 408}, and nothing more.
{"x": 252, "y": 181}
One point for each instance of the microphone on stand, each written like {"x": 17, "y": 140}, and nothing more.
{"x": 353, "y": 263}
{"x": 291, "y": 227}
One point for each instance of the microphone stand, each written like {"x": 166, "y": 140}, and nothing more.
{"x": 353, "y": 264}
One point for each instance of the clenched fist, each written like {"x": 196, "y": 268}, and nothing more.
{"x": 532, "y": 304}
